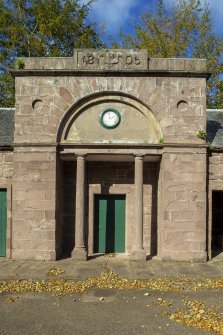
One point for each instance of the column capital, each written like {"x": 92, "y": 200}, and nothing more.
{"x": 80, "y": 156}
{"x": 140, "y": 157}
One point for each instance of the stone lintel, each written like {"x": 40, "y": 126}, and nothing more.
{"x": 132, "y": 151}
{"x": 131, "y": 145}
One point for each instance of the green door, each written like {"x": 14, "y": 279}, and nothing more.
{"x": 109, "y": 223}
{"x": 3, "y": 219}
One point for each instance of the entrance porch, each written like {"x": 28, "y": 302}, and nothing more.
{"x": 115, "y": 193}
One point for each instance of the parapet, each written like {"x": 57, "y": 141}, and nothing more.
{"x": 114, "y": 60}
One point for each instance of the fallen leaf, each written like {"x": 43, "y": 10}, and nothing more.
{"x": 54, "y": 271}
{"x": 198, "y": 315}
{"x": 109, "y": 280}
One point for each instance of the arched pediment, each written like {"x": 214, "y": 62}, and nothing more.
{"x": 83, "y": 123}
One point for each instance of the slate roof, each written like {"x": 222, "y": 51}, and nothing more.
{"x": 6, "y": 126}
{"x": 215, "y": 127}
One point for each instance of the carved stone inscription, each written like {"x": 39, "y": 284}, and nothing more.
{"x": 111, "y": 59}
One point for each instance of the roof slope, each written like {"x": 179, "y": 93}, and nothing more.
{"x": 215, "y": 127}
{"x": 6, "y": 126}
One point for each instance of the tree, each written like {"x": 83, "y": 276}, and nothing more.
{"x": 184, "y": 29}
{"x": 41, "y": 28}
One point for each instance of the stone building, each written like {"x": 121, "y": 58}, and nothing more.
{"x": 106, "y": 152}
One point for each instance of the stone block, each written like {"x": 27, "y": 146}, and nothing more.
{"x": 196, "y": 235}
{"x": 108, "y": 59}
{"x": 45, "y": 256}
{"x": 49, "y": 214}
{"x": 196, "y": 257}
{"x": 8, "y": 158}
{"x": 29, "y": 215}
{"x": 49, "y": 63}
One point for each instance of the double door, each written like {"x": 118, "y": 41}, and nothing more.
{"x": 109, "y": 224}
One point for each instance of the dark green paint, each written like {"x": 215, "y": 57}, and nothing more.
{"x": 109, "y": 223}
{"x": 3, "y": 220}
{"x": 102, "y": 114}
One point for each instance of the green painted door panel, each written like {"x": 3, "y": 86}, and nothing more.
{"x": 109, "y": 223}
{"x": 102, "y": 204}
{"x": 3, "y": 220}
{"x": 120, "y": 225}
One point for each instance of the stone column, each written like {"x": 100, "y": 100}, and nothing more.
{"x": 138, "y": 252}
{"x": 79, "y": 252}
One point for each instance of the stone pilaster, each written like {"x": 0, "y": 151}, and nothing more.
{"x": 33, "y": 203}
{"x": 182, "y": 220}
{"x": 79, "y": 252}
{"x": 138, "y": 252}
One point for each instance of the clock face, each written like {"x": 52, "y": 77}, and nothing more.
{"x": 110, "y": 118}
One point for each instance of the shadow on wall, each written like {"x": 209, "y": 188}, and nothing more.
{"x": 105, "y": 174}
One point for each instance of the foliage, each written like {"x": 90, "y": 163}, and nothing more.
{"x": 41, "y": 28}
{"x": 219, "y": 93}
{"x": 19, "y": 64}
{"x": 183, "y": 30}
{"x": 201, "y": 134}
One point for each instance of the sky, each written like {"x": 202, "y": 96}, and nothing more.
{"x": 117, "y": 14}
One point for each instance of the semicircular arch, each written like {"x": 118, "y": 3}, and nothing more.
{"x": 81, "y": 122}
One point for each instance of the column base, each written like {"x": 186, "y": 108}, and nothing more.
{"x": 79, "y": 254}
{"x": 138, "y": 255}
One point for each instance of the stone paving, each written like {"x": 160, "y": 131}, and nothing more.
{"x": 10, "y": 269}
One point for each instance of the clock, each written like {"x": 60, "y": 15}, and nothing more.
{"x": 110, "y": 118}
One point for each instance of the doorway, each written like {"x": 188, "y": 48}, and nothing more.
{"x": 217, "y": 223}
{"x": 3, "y": 221}
{"x": 109, "y": 223}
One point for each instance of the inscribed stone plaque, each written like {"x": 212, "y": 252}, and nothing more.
{"x": 111, "y": 59}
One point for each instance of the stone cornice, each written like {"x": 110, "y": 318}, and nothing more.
{"x": 215, "y": 149}
{"x": 6, "y": 148}
{"x": 34, "y": 144}
{"x": 110, "y": 145}
{"x": 110, "y": 73}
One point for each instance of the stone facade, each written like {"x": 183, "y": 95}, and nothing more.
{"x": 6, "y": 174}
{"x": 63, "y": 156}
{"x": 34, "y": 205}
{"x": 6, "y": 167}
{"x": 183, "y": 205}
{"x": 180, "y": 109}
